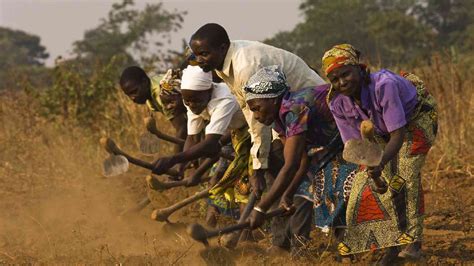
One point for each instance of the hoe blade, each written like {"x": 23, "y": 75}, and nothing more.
{"x": 362, "y": 152}
{"x": 115, "y": 165}
{"x": 149, "y": 143}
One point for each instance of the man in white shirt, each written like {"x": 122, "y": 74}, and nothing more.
{"x": 235, "y": 62}
{"x": 212, "y": 103}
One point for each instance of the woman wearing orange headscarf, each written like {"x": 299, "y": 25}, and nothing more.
{"x": 404, "y": 116}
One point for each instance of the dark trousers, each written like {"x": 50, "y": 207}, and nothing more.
{"x": 293, "y": 231}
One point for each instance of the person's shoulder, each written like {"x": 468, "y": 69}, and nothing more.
{"x": 242, "y": 45}
{"x": 155, "y": 83}
{"x": 337, "y": 99}
{"x": 244, "y": 48}
{"x": 221, "y": 90}
{"x": 387, "y": 80}
{"x": 304, "y": 93}
{"x": 249, "y": 56}
{"x": 251, "y": 47}
{"x": 221, "y": 86}
{"x": 153, "y": 74}
{"x": 340, "y": 103}
{"x": 296, "y": 101}
{"x": 155, "y": 77}
{"x": 384, "y": 76}
{"x": 222, "y": 93}
{"x": 322, "y": 89}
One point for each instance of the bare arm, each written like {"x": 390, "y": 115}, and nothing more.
{"x": 391, "y": 149}
{"x": 293, "y": 154}
{"x": 298, "y": 178}
{"x": 191, "y": 140}
{"x": 296, "y": 181}
{"x": 209, "y": 147}
{"x": 393, "y": 146}
{"x": 179, "y": 124}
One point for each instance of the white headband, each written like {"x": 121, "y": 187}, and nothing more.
{"x": 195, "y": 79}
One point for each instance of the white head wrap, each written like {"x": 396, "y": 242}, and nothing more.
{"x": 195, "y": 79}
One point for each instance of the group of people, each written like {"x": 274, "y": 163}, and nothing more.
{"x": 268, "y": 97}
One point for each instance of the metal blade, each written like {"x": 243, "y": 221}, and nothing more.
{"x": 149, "y": 143}
{"x": 362, "y": 152}
{"x": 115, "y": 165}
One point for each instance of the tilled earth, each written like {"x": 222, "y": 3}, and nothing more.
{"x": 77, "y": 221}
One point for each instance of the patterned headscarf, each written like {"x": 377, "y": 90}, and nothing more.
{"x": 171, "y": 84}
{"x": 340, "y": 55}
{"x": 268, "y": 82}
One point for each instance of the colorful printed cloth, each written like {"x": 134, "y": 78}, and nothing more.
{"x": 234, "y": 184}
{"x": 306, "y": 111}
{"x": 225, "y": 207}
{"x": 329, "y": 190}
{"x": 170, "y": 84}
{"x": 155, "y": 104}
{"x": 340, "y": 55}
{"x": 395, "y": 218}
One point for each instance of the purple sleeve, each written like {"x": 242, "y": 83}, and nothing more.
{"x": 393, "y": 112}
{"x": 348, "y": 129}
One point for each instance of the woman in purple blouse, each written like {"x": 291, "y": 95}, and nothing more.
{"x": 404, "y": 117}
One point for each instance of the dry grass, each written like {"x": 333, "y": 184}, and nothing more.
{"x": 56, "y": 205}
{"x": 453, "y": 88}
{"x": 57, "y": 208}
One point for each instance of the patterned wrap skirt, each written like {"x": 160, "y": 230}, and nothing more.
{"x": 395, "y": 218}
{"x": 234, "y": 188}
{"x": 329, "y": 190}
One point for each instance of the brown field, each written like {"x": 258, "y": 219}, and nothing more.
{"x": 58, "y": 208}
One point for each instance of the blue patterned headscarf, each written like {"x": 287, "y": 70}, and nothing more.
{"x": 268, "y": 82}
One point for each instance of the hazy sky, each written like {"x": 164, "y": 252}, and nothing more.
{"x": 61, "y": 22}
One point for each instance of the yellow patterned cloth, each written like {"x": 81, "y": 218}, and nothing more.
{"x": 170, "y": 83}
{"x": 234, "y": 184}
{"x": 395, "y": 218}
{"x": 155, "y": 104}
{"x": 340, "y": 55}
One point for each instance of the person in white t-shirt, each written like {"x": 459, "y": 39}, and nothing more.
{"x": 213, "y": 104}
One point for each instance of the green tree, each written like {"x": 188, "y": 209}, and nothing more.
{"x": 82, "y": 96}
{"x": 326, "y": 23}
{"x": 398, "y": 38}
{"x": 382, "y": 29}
{"x": 22, "y": 57}
{"x": 126, "y": 30}
{"x": 20, "y": 48}
{"x": 451, "y": 20}
{"x": 84, "y": 88}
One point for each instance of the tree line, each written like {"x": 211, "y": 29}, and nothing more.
{"x": 389, "y": 32}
